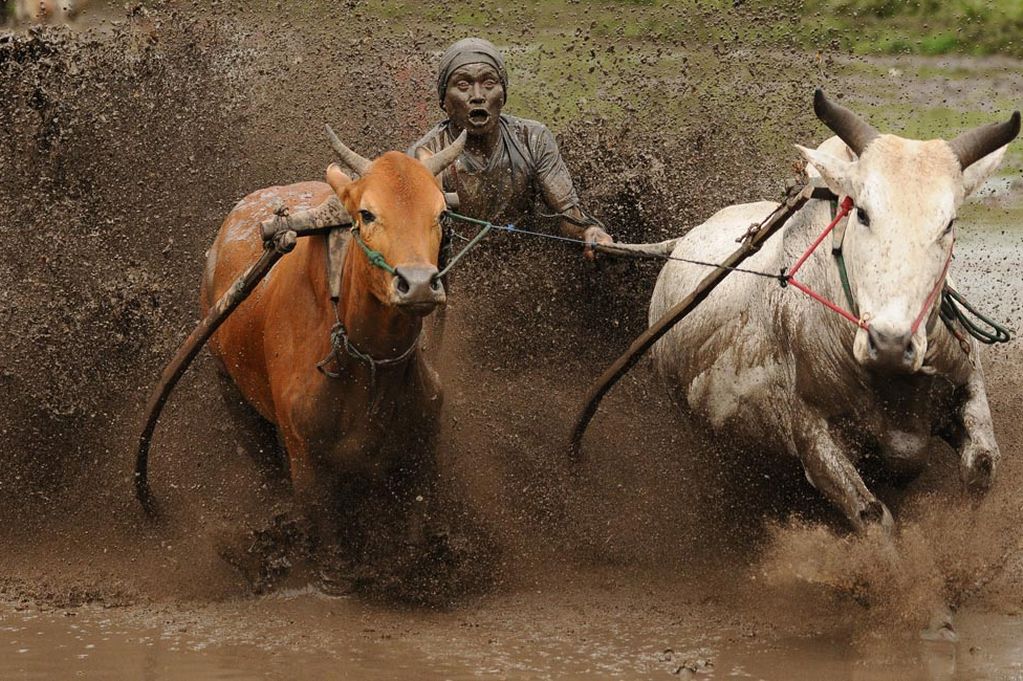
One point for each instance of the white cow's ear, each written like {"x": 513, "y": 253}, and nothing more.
{"x": 975, "y": 175}
{"x": 835, "y": 171}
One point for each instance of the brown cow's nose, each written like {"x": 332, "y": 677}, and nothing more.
{"x": 889, "y": 349}
{"x": 417, "y": 288}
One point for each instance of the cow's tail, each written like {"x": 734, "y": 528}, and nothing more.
{"x": 659, "y": 250}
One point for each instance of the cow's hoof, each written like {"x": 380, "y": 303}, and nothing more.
{"x": 977, "y": 468}
{"x": 875, "y": 513}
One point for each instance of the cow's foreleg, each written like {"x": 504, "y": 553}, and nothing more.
{"x": 833, "y": 474}
{"x": 974, "y": 438}
{"x": 310, "y": 489}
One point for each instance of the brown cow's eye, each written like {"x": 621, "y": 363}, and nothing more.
{"x": 367, "y": 217}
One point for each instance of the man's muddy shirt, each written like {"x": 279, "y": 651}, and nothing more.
{"x": 526, "y": 163}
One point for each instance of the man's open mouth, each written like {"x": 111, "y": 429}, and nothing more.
{"x": 479, "y": 116}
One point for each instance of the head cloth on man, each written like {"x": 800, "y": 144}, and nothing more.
{"x": 469, "y": 51}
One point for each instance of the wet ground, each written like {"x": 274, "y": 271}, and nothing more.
{"x": 656, "y": 559}
{"x": 600, "y": 630}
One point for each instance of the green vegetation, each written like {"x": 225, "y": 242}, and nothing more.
{"x": 979, "y": 27}
{"x": 929, "y": 27}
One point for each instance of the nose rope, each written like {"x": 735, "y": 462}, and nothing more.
{"x": 862, "y": 321}
{"x": 604, "y": 248}
{"x": 949, "y": 311}
{"x": 376, "y": 258}
{"x": 487, "y": 226}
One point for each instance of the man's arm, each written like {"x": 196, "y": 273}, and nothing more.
{"x": 577, "y": 225}
{"x": 559, "y": 194}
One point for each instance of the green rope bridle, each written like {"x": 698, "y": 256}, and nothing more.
{"x": 375, "y": 257}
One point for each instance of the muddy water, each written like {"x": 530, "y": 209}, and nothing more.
{"x": 538, "y": 635}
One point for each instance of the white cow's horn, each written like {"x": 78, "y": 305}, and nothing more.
{"x": 446, "y": 156}
{"x": 973, "y": 145}
{"x": 853, "y": 130}
{"x": 355, "y": 162}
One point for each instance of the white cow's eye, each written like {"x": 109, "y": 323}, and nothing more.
{"x": 948, "y": 227}
{"x": 863, "y": 217}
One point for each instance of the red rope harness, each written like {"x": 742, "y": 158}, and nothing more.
{"x": 938, "y": 285}
{"x": 790, "y": 277}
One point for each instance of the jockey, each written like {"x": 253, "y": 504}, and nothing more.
{"x": 507, "y": 161}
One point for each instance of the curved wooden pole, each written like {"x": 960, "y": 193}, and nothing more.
{"x": 187, "y": 351}
{"x": 795, "y": 199}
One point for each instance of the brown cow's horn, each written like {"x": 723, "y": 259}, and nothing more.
{"x": 446, "y": 156}
{"x": 973, "y": 145}
{"x": 853, "y": 130}
{"x": 357, "y": 163}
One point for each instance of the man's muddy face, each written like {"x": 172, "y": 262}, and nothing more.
{"x": 474, "y": 98}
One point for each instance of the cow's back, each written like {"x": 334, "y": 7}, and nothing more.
{"x": 238, "y": 344}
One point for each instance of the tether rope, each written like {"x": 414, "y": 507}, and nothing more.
{"x": 512, "y": 229}
{"x": 951, "y": 306}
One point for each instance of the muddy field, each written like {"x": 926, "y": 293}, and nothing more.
{"x": 126, "y": 139}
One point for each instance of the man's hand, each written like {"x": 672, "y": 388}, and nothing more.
{"x": 594, "y": 235}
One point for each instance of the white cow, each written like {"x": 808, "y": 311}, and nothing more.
{"x": 49, "y": 11}
{"x": 775, "y": 370}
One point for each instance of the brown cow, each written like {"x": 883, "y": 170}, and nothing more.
{"x": 345, "y": 383}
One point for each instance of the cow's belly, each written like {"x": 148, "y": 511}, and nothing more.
{"x": 725, "y": 392}
{"x": 742, "y": 391}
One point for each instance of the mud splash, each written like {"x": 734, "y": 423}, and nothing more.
{"x": 129, "y": 142}
{"x": 125, "y": 145}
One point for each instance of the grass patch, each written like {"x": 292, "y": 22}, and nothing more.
{"x": 930, "y": 27}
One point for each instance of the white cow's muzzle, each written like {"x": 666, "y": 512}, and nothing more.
{"x": 889, "y": 348}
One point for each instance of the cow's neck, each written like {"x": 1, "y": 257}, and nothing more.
{"x": 378, "y": 330}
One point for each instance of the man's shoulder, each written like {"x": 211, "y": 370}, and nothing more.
{"x": 526, "y": 126}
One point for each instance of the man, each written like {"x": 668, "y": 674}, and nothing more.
{"x": 507, "y": 160}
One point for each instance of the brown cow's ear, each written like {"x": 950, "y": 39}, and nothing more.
{"x": 337, "y": 179}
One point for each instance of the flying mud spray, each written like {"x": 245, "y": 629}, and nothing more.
{"x": 124, "y": 142}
